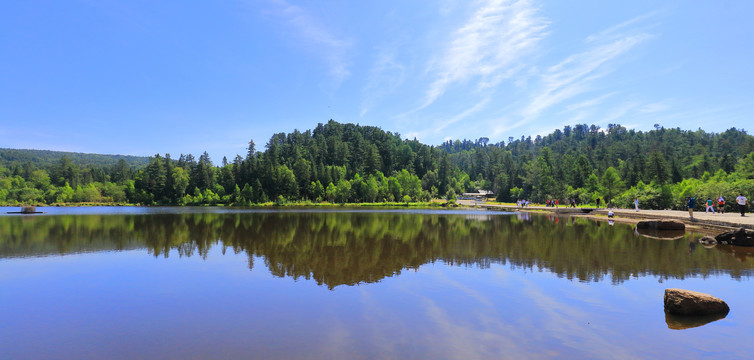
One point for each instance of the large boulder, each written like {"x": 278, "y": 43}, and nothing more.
{"x": 28, "y": 209}
{"x": 740, "y": 237}
{"x": 687, "y": 302}
{"x": 661, "y": 225}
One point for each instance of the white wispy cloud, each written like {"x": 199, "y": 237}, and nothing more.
{"x": 385, "y": 76}
{"x": 488, "y": 47}
{"x": 701, "y": 115}
{"x": 655, "y": 107}
{"x": 619, "y": 112}
{"x": 317, "y": 37}
{"x": 587, "y": 104}
{"x": 465, "y": 114}
{"x": 635, "y": 25}
{"x": 580, "y": 73}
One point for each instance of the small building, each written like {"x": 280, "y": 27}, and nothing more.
{"x": 480, "y": 195}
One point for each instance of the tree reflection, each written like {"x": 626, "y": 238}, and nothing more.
{"x": 347, "y": 248}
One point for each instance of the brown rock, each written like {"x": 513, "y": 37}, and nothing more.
{"x": 687, "y": 302}
{"x": 661, "y": 225}
{"x": 708, "y": 240}
{"x": 741, "y": 237}
{"x": 28, "y": 209}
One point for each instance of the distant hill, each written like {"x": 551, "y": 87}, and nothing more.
{"x": 45, "y": 158}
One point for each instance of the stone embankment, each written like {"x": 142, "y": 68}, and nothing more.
{"x": 717, "y": 221}
{"x": 701, "y": 219}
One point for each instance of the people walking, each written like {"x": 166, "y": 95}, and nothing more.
{"x": 742, "y": 202}
{"x": 690, "y": 203}
{"x": 710, "y": 206}
{"x": 721, "y": 205}
{"x": 636, "y": 203}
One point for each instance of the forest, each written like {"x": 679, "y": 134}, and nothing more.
{"x": 339, "y": 163}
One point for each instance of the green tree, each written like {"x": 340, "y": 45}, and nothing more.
{"x": 40, "y": 179}
{"x": 745, "y": 166}
{"x": 395, "y": 191}
{"x": 302, "y": 171}
{"x": 343, "y": 191}
{"x": 331, "y": 192}
{"x": 316, "y": 191}
{"x": 247, "y": 195}
{"x": 657, "y": 168}
{"x": 285, "y": 183}
{"x": 180, "y": 182}
{"x": 611, "y": 183}
{"x": 410, "y": 184}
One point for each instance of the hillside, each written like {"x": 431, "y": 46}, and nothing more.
{"x": 46, "y": 158}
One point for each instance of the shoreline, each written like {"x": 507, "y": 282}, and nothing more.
{"x": 708, "y": 223}
{"x": 702, "y": 222}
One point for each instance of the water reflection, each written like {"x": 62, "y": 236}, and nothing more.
{"x": 348, "y": 248}
{"x": 660, "y": 234}
{"x": 679, "y": 322}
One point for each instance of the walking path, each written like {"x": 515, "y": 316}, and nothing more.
{"x": 729, "y": 219}
{"x": 734, "y": 220}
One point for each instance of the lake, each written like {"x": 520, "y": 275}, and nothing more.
{"x": 231, "y": 283}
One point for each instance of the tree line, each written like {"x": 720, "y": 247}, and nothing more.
{"x": 348, "y": 163}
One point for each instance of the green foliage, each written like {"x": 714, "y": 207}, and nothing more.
{"x": 745, "y": 166}
{"x": 661, "y": 166}
{"x": 343, "y": 191}
{"x": 316, "y": 191}
{"x": 450, "y": 196}
{"x": 47, "y": 158}
{"x": 611, "y": 183}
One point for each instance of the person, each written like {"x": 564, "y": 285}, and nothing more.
{"x": 710, "y": 206}
{"x": 742, "y": 202}
{"x": 721, "y": 205}
{"x": 690, "y": 203}
{"x": 610, "y": 214}
{"x": 636, "y": 203}
{"x": 598, "y": 203}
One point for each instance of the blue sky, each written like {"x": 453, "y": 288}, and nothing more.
{"x": 145, "y": 77}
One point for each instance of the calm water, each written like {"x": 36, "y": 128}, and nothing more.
{"x": 199, "y": 283}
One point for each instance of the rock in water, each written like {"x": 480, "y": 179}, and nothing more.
{"x": 687, "y": 302}
{"x": 741, "y": 237}
{"x": 708, "y": 240}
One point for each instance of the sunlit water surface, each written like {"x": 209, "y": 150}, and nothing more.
{"x": 200, "y": 283}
